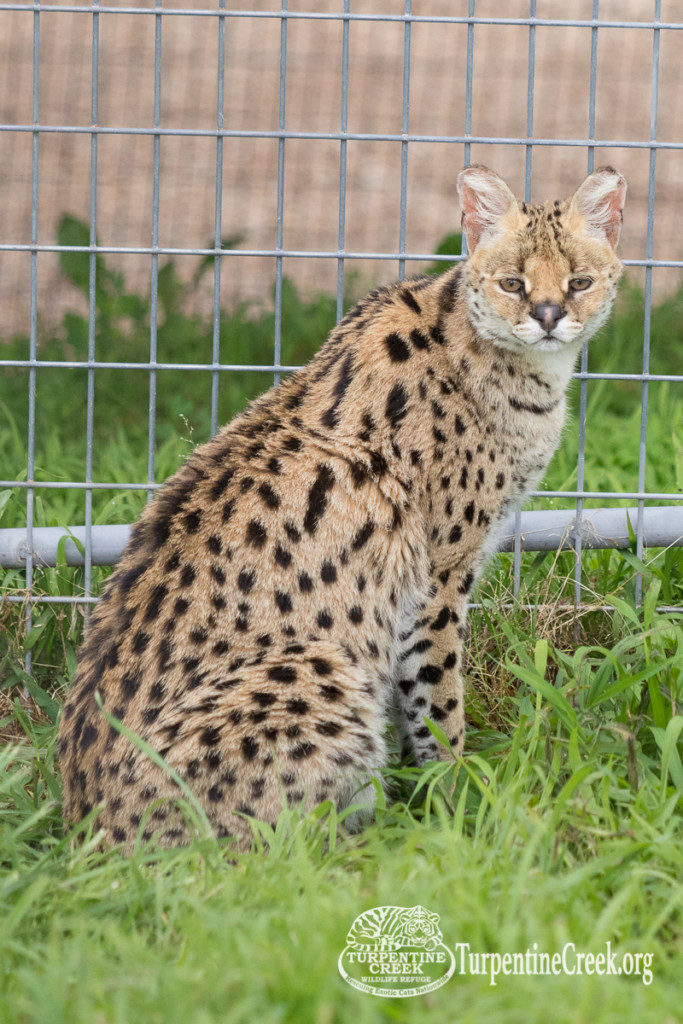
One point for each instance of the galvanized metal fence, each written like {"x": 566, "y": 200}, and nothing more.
{"x": 577, "y": 529}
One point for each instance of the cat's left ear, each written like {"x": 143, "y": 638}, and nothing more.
{"x": 600, "y": 202}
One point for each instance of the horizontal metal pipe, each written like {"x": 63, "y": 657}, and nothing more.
{"x": 99, "y": 485}
{"x": 556, "y": 606}
{"x": 429, "y": 19}
{"x": 540, "y": 531}
{"x": 303, "y": 254}
{"x": 550, "y": 530}
{"x": 99, "y": 364}
{"x": 282, "y": 133}
{"x": 108, "y": 543}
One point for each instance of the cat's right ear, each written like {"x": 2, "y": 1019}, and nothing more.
{"x": 484, "y": 201}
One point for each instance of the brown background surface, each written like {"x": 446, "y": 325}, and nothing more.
{"x": 437, "y": 106}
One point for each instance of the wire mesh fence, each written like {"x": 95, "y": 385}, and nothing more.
{"x": 407, "y": 126}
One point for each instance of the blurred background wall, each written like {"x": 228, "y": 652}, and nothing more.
{"x": 314, "y": 84}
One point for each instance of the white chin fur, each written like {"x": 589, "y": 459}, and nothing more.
{"x": 564, "y": 333}
{"x": 529, "y": 335}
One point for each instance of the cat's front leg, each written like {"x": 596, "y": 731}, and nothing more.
{"x": 429, "y": 680}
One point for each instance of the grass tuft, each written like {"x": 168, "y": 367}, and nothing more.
{"x": 561, "y": 824}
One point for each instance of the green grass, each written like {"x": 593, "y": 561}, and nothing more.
{"x": 562, "y": 823}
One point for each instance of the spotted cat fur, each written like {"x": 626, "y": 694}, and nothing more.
{"x": 309, "y": 567}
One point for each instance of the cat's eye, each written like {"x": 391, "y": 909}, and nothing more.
{"x": 511, "y": 284}
{"x": 580, "y": 284}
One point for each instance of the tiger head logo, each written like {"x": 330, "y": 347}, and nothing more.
{"x": 420, "y": 927}
{"x": 394, "y": 928}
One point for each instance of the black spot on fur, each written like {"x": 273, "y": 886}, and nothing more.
{"x": 430, "y": 674}
{"x": 410, "y": 301}
{"x": 249, "y": 748}
{"x": 210, "y": 737}
{"x": 305, "y": 583}
{"x": 537, "y": 410}
{"x": 397, "y": 348}
{"x": 269, "y": 496}
{"x": 317, "y": 498}
{"x": 173, "y": 562}
{"x": 130, "y": 684}
{"x": 129, "y": 577}
{"x": 442, "y": 619}
{"x": 330, "y": 417}
{"x": 256, "y": 534}
{"x": 156, "y": 599}
{"x": 159, "y": 530}
{"x": 363, "y": 535}
{"x": 282, "y": 673}
{"x": 218, "y": 574}
{"x": 302, "y": 751}
{"x": 164, "y": 653}
{"x": 88, "y": 737}
{"x": 448, "y": 292}
{"x": 419, "y": 340}
{"x": 140, "y": 641}
{"x": 297, "y": 706}
{"x": 192, "y": 521}
{"x": 294, "y": 400}
{"x": 359, "y": 473}
{"x": 264, "y": 700}
{"x": 214, "y": 545}
{"x": 466, "y": 583}
{"x": 329, "y": 728}
{"x": 283, "y": 558}
{"x": 221, "y": 483}
{"x": 187, "y": 576}
{"x": 150, "y": 715}
{"x": 292, "y": 533}
{"x": 378, "y": 463}
{"x": 397, "y": 401}
{"x": 246, "y": 580}
{"x": 419, "y": 647}
{"x": 283, "y": 601}
{"x": 328, "y": 573}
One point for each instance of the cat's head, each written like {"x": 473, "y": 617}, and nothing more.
{"x": 540, "y": 278}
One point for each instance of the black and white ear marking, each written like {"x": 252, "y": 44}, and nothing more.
{"x": 600, "y": 201}
{"x": 484, "y": 201}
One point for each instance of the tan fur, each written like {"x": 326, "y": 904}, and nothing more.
{"x": 310, "y": 566}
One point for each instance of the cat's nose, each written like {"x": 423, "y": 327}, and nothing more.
{"x": 548, "y": 314}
